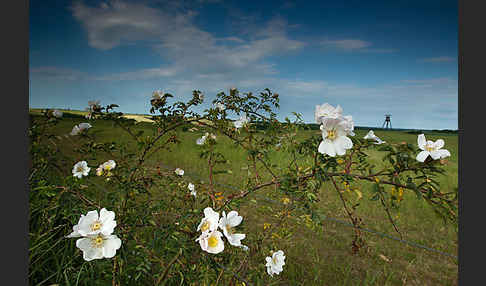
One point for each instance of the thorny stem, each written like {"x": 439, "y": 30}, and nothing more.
{"x": 211, "y": 183}
{"x": 389, "y": 215}
{"x": 353, "y": 219}
{"x": 152, "y": 144}
{"x": 113, "y": 273}
{"x": 164, "y": 276}
{"x": 219, "y": 276}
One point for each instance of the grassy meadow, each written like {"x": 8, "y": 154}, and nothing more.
{"x": 319, "y": 257}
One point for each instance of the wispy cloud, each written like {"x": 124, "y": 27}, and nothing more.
{"x": 353, "y": 45}
{"x": 57, "y": 73}
{"x": 197, "y": 59}
{"x": 174, "y": 36}
{"x": 438, "y": 60}
{"x": 346, "y": 44}
{"x": 140, "y": 74}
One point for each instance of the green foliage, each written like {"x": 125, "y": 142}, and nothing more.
{"x": 157, "y": 217}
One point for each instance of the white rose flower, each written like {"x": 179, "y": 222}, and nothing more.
{"x": 241, "y": 121}
{"x": 379, "y": 141}
{"x": 371, "y": 135}
{"x": 275, "y": 263}
{"x": 431, "y": 148}
{"x": 327, "y": 111}
{"x": 93, "y": 102}
{"x": 75, "y": 130}
{"x": 202, "y": 140}
{"x": 227, "y": 224}
{"x": 79, "y": 128}
{"x": 105, "y": 168}
{"x": 109, "y": 165}
{"x": 349, "y": 125}
{"x": 210, "y": 220}
{"x": 81, "y": 169}
{"x": 157, "y": 94}
{"x": 190, "y": 186}
{"x": 220, "y": 106}
{"x": 57, "y": 113}
{"x": 211, "y": 241}
{"x": 179, "y": 172}
{"x": 92, "y": 224}
{"x": 98, "y": 246}
{"x": 84, "y": 126}
{"x": 334, "y": 137}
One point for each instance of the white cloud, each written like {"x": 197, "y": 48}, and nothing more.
{"x": 141, "y": 74}
{"x": 438, "y": 60}
{"x": 173, "y": 35}
{"x": 346, "y": 44}
{"x": 353, "y": 45}
{"x": 56, "y": 73}
{"x": 199, "y": 60}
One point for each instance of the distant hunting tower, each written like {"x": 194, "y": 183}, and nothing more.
{"x": 387, "y": 121}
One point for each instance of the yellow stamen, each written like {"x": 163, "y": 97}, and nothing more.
{"x": 96, "y": 226}
{"x": 229, "y": 229}
{"x": 331, "y": 134}
{"x": 429, "y": 148}
{"x": 205, "y": 226}
{"x": 97, "y": 242}
{"x": 212, "y": 241}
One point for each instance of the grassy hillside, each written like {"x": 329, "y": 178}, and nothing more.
{"x": 317, "y": 257}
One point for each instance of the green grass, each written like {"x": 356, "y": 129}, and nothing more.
{"x": 321, "y": 257}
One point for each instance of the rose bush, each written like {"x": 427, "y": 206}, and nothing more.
{"x": 165, "y": 233}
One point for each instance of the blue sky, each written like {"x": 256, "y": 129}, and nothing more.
{"x": 370, "y": 57}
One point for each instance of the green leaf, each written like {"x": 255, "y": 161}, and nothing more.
{"x": 375, "y": 197}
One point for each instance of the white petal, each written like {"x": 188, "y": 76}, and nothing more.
{"x": 233, "y": 218}
{"x": 345, "y": 142}
{"x": 338, "y": 109}
{"x": 326, "y": 147}
{"x": 89, "y": 252}
{"x": 219, "y": 247}
{"x": 86, "y": 222}
{"x": 444, "y": 153}
{"x": 268, "y": 259}
{"x": 269, "y": 271}
{"x": 369, "y": 135}
{"x": 421, "y": 142}
{"x": 439, "y": 143}
{"x": 422, "y": 156}
{"x": 108, "y": 227}
{"x": 235, "y": 239}
{"x": 106, "y": 215}
{"x": 435, "y": 154}
{"x": 110, "y": 246}
{"x": 339, "y": 148}
{"x": 73, "y": 234}
{"x": 203, "y": 241}
{"x": 83, "y": 243}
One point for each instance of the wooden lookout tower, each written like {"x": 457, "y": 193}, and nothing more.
{"x": 387, "y": 121}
